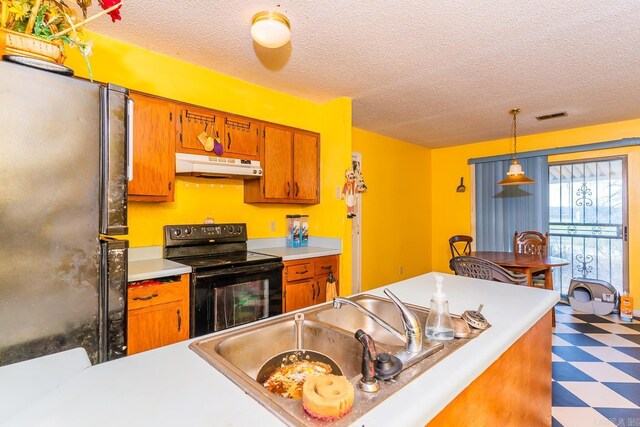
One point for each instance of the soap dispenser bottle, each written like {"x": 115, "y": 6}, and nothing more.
{"x": 439, "y": 325}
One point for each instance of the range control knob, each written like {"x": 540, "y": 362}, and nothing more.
{"x": 238, "y": 229}
{"x": 177, "y": 232}
{"x": 187, "y": 231}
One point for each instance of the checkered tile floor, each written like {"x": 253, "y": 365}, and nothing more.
{"x": 596, "y": 370}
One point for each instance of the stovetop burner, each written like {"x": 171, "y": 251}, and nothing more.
{"x": 211, "y": 246}
{"x": 231, "y": 259}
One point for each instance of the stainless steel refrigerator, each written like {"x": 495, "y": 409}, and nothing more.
{"x": 63, "y": 192}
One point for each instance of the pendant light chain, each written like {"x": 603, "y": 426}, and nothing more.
{"x": 515, "y": 133}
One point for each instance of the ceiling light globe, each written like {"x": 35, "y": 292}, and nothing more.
{"x": 270, "y": 29}
{"x": 515, "y": 169}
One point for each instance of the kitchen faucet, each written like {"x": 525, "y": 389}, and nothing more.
{"x": 412, "y": 336}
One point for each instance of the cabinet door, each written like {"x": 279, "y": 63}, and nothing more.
{"x": 241, "y": 138}
{"x": 321, "y": 289}
{"x": 277, "y": 163}
{"x": 299, "y": 295}
{"x": 158, "y": 313}
{"x": 197, "y": 124}
{"x": 306, "y": 168}
{"x": 323, "y": 266}
{"x": 153, "y": 149}
{"x": 156, "y": 326}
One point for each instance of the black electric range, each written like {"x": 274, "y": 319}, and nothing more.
{"x": 229, "y": 284}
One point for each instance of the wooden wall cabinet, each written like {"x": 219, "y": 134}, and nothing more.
{"x": 304, "y": 281}
{"x": 154, "y": 161}
{"x": 157, "y": 314}
{"x": 239, "y": 136}
{"x": 193, "y": 121}
{"x": 291, "y": 163}
{"x": 290, "y": 157}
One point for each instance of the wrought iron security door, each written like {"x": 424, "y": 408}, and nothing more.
{"x": 588, "y": 221}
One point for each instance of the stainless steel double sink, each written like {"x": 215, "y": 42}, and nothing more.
{"x": 240, "y": 352}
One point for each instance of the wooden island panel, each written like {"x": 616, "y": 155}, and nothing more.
{"x": 514, "y": 391}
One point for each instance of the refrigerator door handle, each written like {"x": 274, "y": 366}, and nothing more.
{"x": 130, "y": 106}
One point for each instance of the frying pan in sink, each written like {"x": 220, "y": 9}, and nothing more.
{"x": 298, "y": 354}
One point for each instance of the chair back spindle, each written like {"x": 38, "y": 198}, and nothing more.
{"x": 531, "y": 242}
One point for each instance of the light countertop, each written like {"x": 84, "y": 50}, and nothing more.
{"x": 172, "y": 385}
{"x": 318, "y": 246}
{"x": 155, "y": 268}
{"x": 147, "y": 262}
{"x": 290, "y": 254}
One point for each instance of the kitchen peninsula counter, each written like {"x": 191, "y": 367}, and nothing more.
{"x": 172, "y": 385}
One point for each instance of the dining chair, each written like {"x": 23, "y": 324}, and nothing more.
{"x": 462, "y": 240}
{"x": 479, "y": 268}
{"x": 535, "y": 243}
{"x": 531, "y": 242}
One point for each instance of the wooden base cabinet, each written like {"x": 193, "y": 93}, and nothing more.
{"x": 514, "y": 391}
{"x": 154, "y": 162}
{"x": 304, "y": 281}
{"x": 158, "y": 314}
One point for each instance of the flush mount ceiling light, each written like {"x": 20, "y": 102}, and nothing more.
{"x": 270, "y": 29}
{"x": 516, "y": 175}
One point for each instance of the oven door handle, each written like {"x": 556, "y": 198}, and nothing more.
{"x": 251, "y": 269}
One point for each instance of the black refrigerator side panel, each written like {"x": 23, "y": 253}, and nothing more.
{"x": 115, "y": 139}
{"x": 113, "y": 299}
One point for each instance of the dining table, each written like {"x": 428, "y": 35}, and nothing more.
{"x": 528, "y": 264}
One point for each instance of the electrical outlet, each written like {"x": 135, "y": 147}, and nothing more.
{"x": 338, "y": 193}
{"x": 401, "y": 270}
{"x": 272, "y": 225}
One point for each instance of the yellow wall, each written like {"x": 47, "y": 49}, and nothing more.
{"x": 410, "y": 187}
{"x": 222, "y": 199}
{"x": 451, "y": 212}
{"x": 396, "y": 209}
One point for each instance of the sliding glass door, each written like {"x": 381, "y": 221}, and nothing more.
{"x": 588, "y": 221}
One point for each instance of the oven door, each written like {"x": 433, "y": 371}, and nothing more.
{"x": 233, "y": 296}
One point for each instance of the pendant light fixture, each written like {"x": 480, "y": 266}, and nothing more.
{"x": 270, "y": 29}
{"x": 516, "y": 175}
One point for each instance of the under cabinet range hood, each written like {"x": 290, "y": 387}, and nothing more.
{"x": 217, "y": 167}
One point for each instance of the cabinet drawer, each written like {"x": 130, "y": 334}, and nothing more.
{"x": 326, "y": 265}
{"x": 299, "y": 271}
{"x": 145, "y": 296}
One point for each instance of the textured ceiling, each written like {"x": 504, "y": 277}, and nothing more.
{"x": 434, "y": 73}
